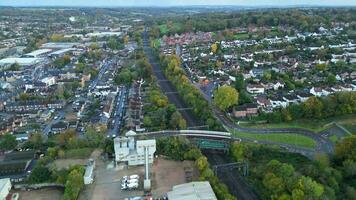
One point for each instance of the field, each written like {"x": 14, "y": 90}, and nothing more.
{"x": 42, "y": 194}
{"x": 241, "y": 36}
{"x": 348, "y": 122}
{"x": 285, "y": 138}
{"x": 165, "y": 30}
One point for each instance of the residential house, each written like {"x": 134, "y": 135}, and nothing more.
{"x": 255, "y": 89}
{"x": 245, "y": 110}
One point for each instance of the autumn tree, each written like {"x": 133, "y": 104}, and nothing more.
{"x": 214, "y": 48}
{"x": 73, "y": 185}
{"x": 225, "y": 97}
{"x": 313, "y": 107}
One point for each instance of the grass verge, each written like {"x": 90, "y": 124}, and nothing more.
{"x": 285, "y": 138}
{"x": 347, "y": 121}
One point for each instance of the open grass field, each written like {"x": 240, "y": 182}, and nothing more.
{"x": 164, "y": 28}
{"x": 285, "y": 138}
{"x": 347, "y": 121}
{"x": 241, "y": 36}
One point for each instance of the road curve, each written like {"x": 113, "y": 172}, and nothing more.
{"x": 324, "y": 145}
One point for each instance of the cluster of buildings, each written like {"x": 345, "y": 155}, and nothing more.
{"x": 277, "y": 70}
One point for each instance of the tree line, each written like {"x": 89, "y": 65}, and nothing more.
{"x": 191, "y": 96}
{"x": 340, "y": 103}
{"x": 276, "y": 174}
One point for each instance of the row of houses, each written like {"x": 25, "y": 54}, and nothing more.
{"x": 32, "y": 106}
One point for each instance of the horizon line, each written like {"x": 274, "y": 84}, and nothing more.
{"x": 172, "y": 6}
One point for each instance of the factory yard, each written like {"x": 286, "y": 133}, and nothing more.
{"x": 168, "y": 173}
{"x": 107, "y": 182}
{"x": 42, "y": 194}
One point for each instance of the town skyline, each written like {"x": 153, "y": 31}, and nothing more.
{"x": 160, "y": 3}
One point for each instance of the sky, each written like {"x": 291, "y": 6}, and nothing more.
{"x": 116, "y": 3}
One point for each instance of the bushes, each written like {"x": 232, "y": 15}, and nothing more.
{"x": 160, "y": 115}
{"x": 278, "y": 174}
{"x": 78, "y": 153}
{"x": 74, "y": 184}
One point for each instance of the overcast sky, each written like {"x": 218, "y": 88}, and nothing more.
{"x": 174, "y": 3}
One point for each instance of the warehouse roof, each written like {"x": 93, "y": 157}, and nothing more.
{"x": 20, "y": 61}
{"x": 38, "y": 52}
{"x": 192, "y": 191}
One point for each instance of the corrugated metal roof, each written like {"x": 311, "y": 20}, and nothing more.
{"x": 192, "y": 191}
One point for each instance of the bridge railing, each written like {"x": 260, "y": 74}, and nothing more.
{"x": 201, "y": 133}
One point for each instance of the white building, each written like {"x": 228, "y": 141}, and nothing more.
{"x": 89, "y": 172}
{"x": 255, "y": 89}
{"x": 20, "y": 61}
{"x": 38, "y": 53}
{"x": 192, "y": 191}
{"x": 127, "y": 149}
{"x": 5, "y": 187}
{"x": 49, "y": 80}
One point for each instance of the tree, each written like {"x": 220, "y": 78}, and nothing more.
{"x": 346, "y": 149}
{"x": 313, "y": 107}
{"x": 37, "y": 140}
{"x": 8, "y": 142}
{"x": 214, "y": 48}
{"x": 177, "y": 121}
{"x": 52, "y": 152}
{"x": 65, "y": 137}
{"x": 39, "y": 174}
{"x": 73, "y": 185}
{"x": 320, "y": 67}
{"x": 225, "y": 97}
{"x": 331, "y": 79}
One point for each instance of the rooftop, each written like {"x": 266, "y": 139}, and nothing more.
{"x": 192, "y": 191}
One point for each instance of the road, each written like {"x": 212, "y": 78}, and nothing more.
{"x": 57, "y": 118}
{"x": 119, "y": 111}
{"x": 167, "y": 87}
{"x": 323, "y": 144}
{"x": 102, "y": 71}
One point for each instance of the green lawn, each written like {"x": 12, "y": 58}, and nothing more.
{"x": 348, "y": 121}
{"x": 164, "y": 29}
{"x": 241, "y": 36}
{"x": 285, "y": 138}
{"x": 157, "y": 43}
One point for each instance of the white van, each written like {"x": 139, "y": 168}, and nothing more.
{"x": 131, "y": 186}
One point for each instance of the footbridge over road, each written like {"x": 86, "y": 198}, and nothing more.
{"x": 201, "y": 138}
{"x": 189, "y": 133}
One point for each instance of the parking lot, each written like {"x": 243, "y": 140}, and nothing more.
{"x": 107, "y": 183}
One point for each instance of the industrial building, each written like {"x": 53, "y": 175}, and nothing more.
{"x": 37, "y": 53}
{"x": 20, "y": 61}
{"x": 192, "y": 191}
{"x": 132, "y": 151}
